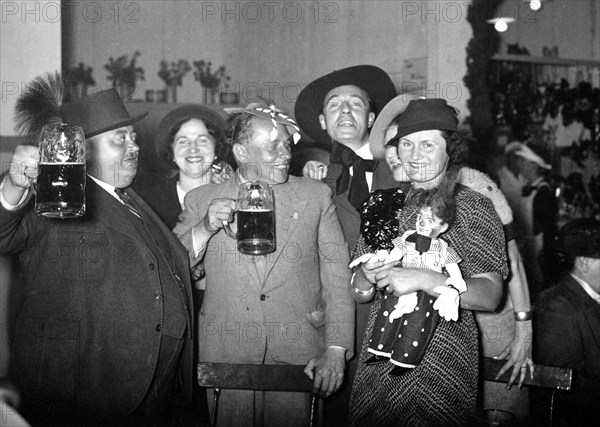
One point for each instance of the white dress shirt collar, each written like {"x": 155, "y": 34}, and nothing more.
{"x": 587, "y": 288}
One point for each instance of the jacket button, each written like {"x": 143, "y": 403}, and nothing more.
{"x": 151, "y": 266}
{"x": 263, "y": 297}
{"x": 157, "y": 295}
{"x": 158, "y": 327}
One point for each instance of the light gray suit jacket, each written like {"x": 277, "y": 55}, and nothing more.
{"x": 292, "y": 304}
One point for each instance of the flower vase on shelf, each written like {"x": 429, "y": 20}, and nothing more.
{"x": 125, "y": 74}
{"x": 229, "y": 98}
{"x": 80, "y": 90}
{"x": 171, "y": 91}
{"x": 126, "y": 91}
{"x": 172, "y": 74}
{"x": 209, "y": 95}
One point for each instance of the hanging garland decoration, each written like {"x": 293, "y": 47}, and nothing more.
{"x": 480, "y": 50}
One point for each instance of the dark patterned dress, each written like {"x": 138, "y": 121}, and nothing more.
{"x": 442, "y": 389}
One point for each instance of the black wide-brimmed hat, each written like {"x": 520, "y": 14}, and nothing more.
{"x": 373, "y": 80}
{"x": 580, "y": 237}
{"x": 181, "y": 114}
{"x": 98, "y": 113}
{"x": 426, "y": 114}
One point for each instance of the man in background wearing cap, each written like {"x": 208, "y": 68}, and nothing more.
{"x": 510, "y": 180}
{"x": 340, "y": 108}
{"x": 567, "y": 329}
{"x": 535, "y": 214}
{"x": 291, "y": 306}
{"x": 104, "y": 333}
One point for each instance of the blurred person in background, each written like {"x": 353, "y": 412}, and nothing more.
{"x": 567, "y": 330}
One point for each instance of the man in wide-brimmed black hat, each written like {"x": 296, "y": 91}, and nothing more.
{"x": 567, "y": 329}
{"x": 340, "y": 108}
{"x": 104, "y": 333}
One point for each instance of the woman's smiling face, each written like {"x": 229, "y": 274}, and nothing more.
{"x": 424, "y": 157}
{"x": 193, "y": 149}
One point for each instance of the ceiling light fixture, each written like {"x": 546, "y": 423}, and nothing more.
{"x": 501, "y": 23}
{"x": 535, "y": 4}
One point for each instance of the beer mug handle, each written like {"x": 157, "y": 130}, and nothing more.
{"x": 33, "y": 185}
{"x": 228, "y": 231}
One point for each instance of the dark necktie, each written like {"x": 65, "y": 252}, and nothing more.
{"x": 128, "y": 202}
{"x": 357, "y": 184}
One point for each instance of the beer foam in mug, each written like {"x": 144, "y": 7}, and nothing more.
{"x": 251, "y": 209}
{"x": 61, "y": 163}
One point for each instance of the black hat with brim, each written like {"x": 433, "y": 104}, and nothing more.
{"x": 184, "y": 113}
{"x": 425, "y": 114}
{"x": 373, "y": 80}
{"x": 97, "y": 113}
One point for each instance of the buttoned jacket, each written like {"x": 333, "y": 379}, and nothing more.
{"x": 291, "y": 304}
{"x": 88, "y": 334}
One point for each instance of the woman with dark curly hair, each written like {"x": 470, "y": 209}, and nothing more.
{"x": 442, "y": 388}
{"x": 191, "y": 141}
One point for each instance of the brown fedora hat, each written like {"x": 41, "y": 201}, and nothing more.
{"x": 373, "y": 80}
{"x": 98, "y": 113}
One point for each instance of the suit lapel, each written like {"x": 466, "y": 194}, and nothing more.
{"x": 289, "y": 208}
{"x": 178, "y": 252}
{"x": 383, "y": 177}
{"x": 103, "y": 207}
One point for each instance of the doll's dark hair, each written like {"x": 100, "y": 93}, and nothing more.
{"x": 441, "y": 199}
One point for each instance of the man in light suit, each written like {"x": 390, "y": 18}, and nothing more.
{"x": 104, "y": 334}
{"x": 288, "y": 307}
{"x": 339, "y": 109}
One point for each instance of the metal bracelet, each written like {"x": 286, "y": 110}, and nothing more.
{"x": 521, "y": 316}
{"x": 363, "y": 293}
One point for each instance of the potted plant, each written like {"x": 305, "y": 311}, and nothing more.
{"x": 124, "y": 74}
{"x": 209, "y": 80}
{"x": 172, "y": 74}
{"x": 79, "y": 79}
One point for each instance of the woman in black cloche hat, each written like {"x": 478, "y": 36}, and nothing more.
{"x": 442, "y": 389}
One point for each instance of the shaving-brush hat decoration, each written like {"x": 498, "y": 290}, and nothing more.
{"x": 46, "y": 100}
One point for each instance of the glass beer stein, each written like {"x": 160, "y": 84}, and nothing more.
{"x": 255, "y": 219}
{"x": 60, "y": 186}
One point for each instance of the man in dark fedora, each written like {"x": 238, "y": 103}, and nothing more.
{"x": 340, "y": 108}
{"x": 567, "y": 329}
{"x": 104, "y": 334}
